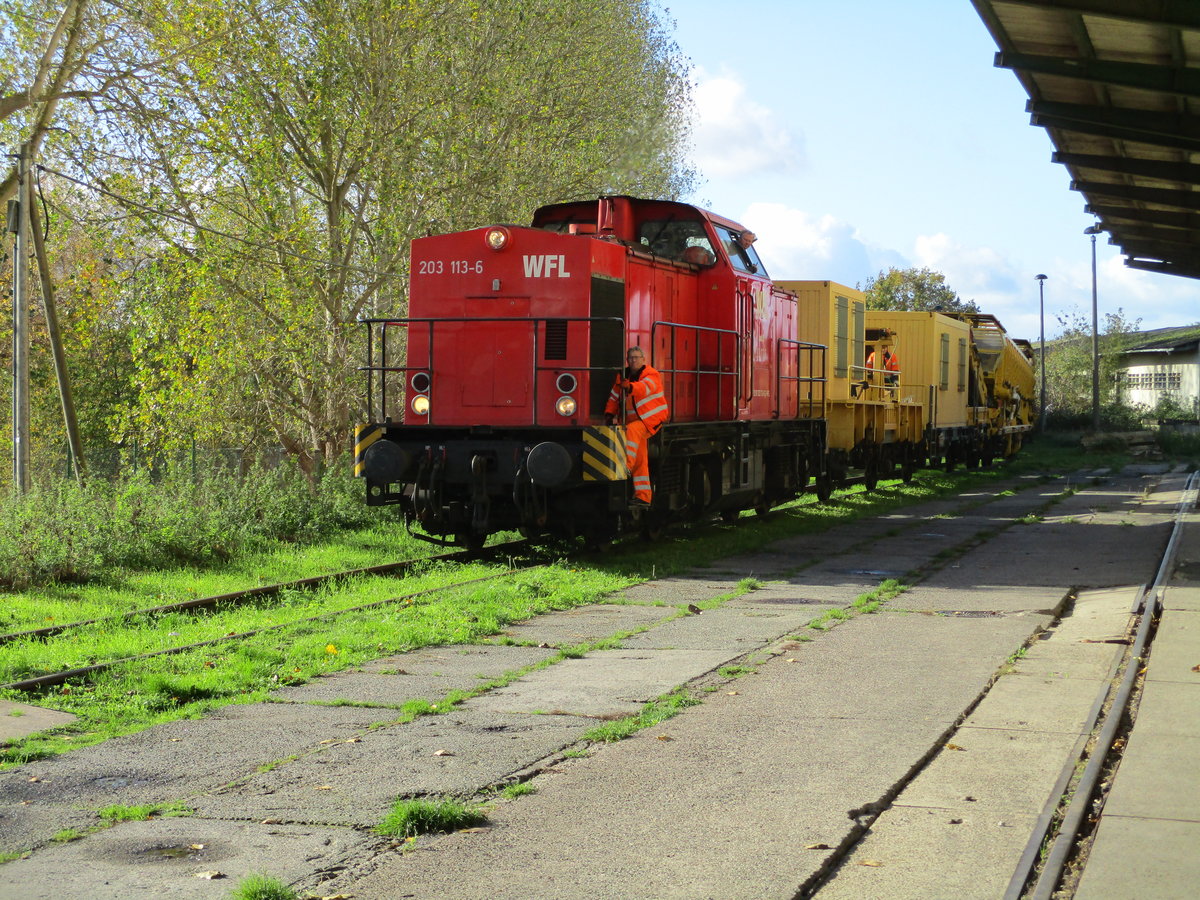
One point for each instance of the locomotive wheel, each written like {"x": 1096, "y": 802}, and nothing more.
{"x": 824, "y": 489}
{"x": 473, "y": 541}
{"x": 653, "y": 527}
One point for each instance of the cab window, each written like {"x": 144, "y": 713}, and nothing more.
{"x": 674, "y": 239}
{"x": 744, "y": 259}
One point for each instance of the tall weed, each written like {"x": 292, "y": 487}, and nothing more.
{"x": 61, "y": 531}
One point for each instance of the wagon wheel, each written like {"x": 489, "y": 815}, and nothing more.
{"x": 824, "y": 488}
{"x": 871, "y": 473}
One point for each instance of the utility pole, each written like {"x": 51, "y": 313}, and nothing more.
{"x": 1093, "y": 231}
{"x": 18, "y": 222}
{"x": 1041, "y": 279}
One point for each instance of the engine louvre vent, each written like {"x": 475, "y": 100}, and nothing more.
{"x": 556, "y": 339}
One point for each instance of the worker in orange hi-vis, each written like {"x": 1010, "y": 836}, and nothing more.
{"x": 891, "y": 365}
{"x": 646, "y": 410}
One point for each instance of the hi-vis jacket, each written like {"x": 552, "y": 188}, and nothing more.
{"x": 645, "y": 401}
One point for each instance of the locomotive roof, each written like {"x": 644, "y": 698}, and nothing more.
{"x": 586, "y": 211}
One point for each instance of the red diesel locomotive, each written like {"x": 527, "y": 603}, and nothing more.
{"x": 487, "y": 403}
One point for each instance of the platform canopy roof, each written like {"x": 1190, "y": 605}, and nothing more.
{"x": 1116, "y": 84}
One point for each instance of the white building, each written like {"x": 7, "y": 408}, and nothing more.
{"x": 1162, "y": 364}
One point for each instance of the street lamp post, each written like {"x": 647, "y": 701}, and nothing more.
{"x": 1042, "y": 321}
{"x": 1093, "y": 231}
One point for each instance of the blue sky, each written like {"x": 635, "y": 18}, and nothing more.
{"x": 872, "y": 133}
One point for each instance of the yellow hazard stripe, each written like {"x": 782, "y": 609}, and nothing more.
{"x": 604, "y": 454}
{"x": 364, "y": 437}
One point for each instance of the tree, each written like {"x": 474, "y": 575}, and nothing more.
{"x": 272, "y": 161}
{"x": 914, "y": 289}
{"x": 1069, "y": 368}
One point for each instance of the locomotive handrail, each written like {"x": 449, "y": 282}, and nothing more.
{"x": 721, "y": 374}
{"x": 811, "y": 404}
{"x": 406, "y": 322}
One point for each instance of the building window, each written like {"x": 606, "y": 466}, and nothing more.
{"x": 1152, "y": 381}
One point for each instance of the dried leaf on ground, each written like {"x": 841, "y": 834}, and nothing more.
{"x": 817, "y": 847}
{"x": 873, "y": 863}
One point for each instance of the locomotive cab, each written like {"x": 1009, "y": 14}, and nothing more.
{"x": 487, "y": 402}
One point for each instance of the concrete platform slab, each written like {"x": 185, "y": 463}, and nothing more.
{"x": 18, "y": 720}
{"x": 1175, "y": 654}
{"x": 993, "y": 772}
{"x": 1036, "y": 703}
{"x": 603, "y": 684}
{"x": 681, "y": 590}
{"x": 935, "y": 596}
{"x": 169, "y": 762}
{"x": 163, "y": 857}
{"x": 733, "y": 630}
{"x": 973, "y": 649}
{"x": 1170, "y": 709}
{"x": 587, "y": 624}
{"x": 931, "y": 854}
{"x": 1151, "y": 784}
{"x": 428, "y": 674}
{"x": 355, "y": 784}
{"x": 1131, "y": 862}
{"x": 1182, "y": 597}
{"x": 25, "y": 826}
{"x": 724, "y": 774}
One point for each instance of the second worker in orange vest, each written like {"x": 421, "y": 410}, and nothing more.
{"x": 646, "y": 411}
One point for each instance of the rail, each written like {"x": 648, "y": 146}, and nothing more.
{"x": 1058, "y": 852}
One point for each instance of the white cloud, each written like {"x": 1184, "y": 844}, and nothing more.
{"x": 736, "y": 136}
{"x": 798, "y": 245}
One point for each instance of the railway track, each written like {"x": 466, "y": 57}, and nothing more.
{"x": 397, "y": 569}
{"x": 52, "y": 679}
{"x": 394, "y": 569}
{"x": 1051, "y": 849}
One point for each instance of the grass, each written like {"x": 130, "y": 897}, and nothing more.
{"x": 735, "y": 671}
{"x": 520, "y": 789}
{"x": 135, "y": 696}
{"x": 118, "y": 813}
{"x": 651, "y": 714}
{"x": 189, "y": 684}
{"x": 409, "y": 818}
{"x": 262, "y": 887}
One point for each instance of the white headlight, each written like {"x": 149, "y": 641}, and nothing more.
{"x": 420, "y": 405}
{"x": 565, "y": 406}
